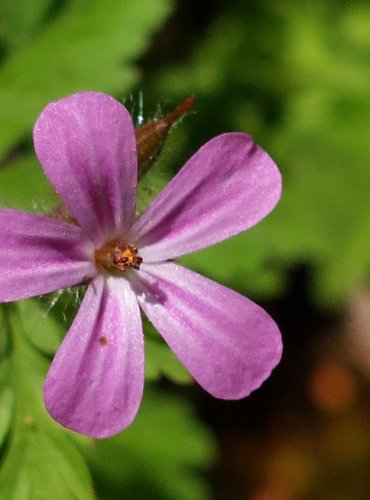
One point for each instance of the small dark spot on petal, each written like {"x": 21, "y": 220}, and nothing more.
{"x": 103, "y": 340}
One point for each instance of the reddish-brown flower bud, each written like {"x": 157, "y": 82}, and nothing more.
{"x": 151, "y": 136}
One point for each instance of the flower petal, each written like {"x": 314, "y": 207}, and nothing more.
{"x": 39, "y": 255}
{"x": 95, "y": 383}
{"x": 86, "y": 145}
{"x": 228, "y": 343}
{"x": 226, "y": 187}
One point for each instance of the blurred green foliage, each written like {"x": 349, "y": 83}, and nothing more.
{"x": 85, "y": 45}
{"x": 294, "y": 75}
{"x": 157, "y": 457}
{"x": 41, "y": 462}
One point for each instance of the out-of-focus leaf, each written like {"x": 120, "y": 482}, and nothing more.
{"x": 299, "y": 85}
{"x": 160, "y": 360}
{"x": 6, "y": 410}
{"x": 46, "y": 319}
{"x": 40, "y": 326}
{"x": 6, "y": 393}
{"x": 324, "y": 142}
{"x": 246, "y": 268}
{"x": 4, "y": 341}
{"x": 24, "y": 186}
{"x": 22, "y": 20}
{"x": 160, "y": 456}
{"x": 88, "y": 46}
{"x": 40, "y": 461}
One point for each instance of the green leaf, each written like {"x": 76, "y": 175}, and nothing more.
{"x": 41, "y": 327}
{"x": 245, "y": 262}
{"x": 41, "y": 462}
{"x": 160, "y": 456}
{"x": 88, "y": 46}
{"x": 160, "y": 360}
{"x": 6, "y": 411}
{"x": 23, "y": 185}
{"x": 22, "y": 20}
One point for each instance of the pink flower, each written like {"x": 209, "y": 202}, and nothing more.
{"x": 86, "y": 145}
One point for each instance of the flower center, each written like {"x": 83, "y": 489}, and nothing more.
{"x": 116, "y": 255}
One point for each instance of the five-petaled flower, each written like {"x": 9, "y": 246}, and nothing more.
{"x": 86, "y": 145}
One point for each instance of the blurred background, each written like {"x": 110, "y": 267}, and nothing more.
{"x": 296, "y": 76}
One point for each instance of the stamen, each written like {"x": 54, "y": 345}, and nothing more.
{"x": 117, "y": 256}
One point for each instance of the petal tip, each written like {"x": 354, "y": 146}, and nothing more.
{"x": 94, "y": 425}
